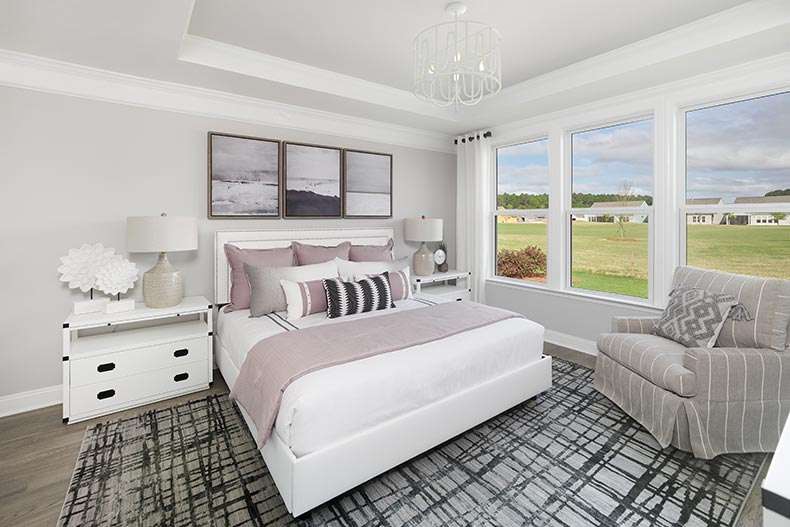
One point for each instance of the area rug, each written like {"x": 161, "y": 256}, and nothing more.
{"x": 571, "y": 458}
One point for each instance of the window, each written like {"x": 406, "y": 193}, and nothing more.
{"x": 611, "y": 204}
{"x": 522, "y": 210}
{"x": 738, "y": 176}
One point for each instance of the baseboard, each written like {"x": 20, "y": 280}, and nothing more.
{"x": 571, "y": 342}
{"x": 17, "y": 403}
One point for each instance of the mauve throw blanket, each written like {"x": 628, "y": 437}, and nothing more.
{"x": 275, "y": 362}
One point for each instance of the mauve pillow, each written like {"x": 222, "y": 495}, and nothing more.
{"x": 371, "y": 253}
{"x": 240, "y": 285}
{"x": 304, "y": 298}
{"x": 316, "y": 254}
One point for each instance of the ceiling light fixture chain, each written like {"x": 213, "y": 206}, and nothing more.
{"x": 457, "y": 62}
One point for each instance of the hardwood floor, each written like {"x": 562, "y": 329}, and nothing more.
{"x": 37, "y": 457}
{"x": 38, "y": 453}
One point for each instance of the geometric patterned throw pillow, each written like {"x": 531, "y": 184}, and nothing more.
{"x": 694, "y": 317}
{"x": 349, "y": 298}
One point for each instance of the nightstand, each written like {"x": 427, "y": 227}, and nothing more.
{"x": 454, "y": 285}
{"x": 119, "y": 361}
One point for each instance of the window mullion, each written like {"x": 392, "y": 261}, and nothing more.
{"x": 556, "y": 229}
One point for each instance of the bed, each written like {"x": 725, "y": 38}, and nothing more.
{"x": 341, "y": 426}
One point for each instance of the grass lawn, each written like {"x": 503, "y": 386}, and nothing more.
{"x": 602, "y": 264}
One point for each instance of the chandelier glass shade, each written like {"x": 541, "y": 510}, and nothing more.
{"x": 457, "y": 62}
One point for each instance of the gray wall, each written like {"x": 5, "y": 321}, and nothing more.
{"x": 73, "y": 169}
{"x": 576, "y": 316}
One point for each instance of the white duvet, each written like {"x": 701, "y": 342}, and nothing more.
{"x": 329, "y": 405}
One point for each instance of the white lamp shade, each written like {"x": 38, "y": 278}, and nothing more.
{"x": 155, "y": 234}
{"x": 422, "y": 229}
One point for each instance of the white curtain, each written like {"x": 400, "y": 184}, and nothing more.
{"x": 474, "y": 210}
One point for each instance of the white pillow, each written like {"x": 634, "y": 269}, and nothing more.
{"x": 349, "y": 270}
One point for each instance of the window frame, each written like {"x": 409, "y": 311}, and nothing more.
{"x": 569, "y": 210}
{"x": 682, "y": 173}
{"x": 518, "y": 212}
{"x": 667, "y": 104}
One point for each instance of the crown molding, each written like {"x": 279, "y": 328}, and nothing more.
{"x": 725, "y": 26}
{"x": 42, "y": 74}
{"x": 227, "y": 57}
{"x": 750, "y": 79}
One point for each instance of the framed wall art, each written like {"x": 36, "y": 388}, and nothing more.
{"x": 243, "y": 176}
{"x": 312, "y": 181}
{"x": 367, "y": 184}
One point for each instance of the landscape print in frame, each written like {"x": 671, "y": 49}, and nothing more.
{"x": 312, "y": 181}
{"x": 368, "y": 184}
{"x": 243, "y": 176}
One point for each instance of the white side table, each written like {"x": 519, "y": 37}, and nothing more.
{"x": 119, "y": 361}
{"x": 453, "y": 285}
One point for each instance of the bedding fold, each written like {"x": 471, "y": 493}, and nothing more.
{"x": 277, "y": 361}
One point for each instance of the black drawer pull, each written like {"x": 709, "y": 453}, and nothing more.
{"x": 106, "y": 394}
{"x": 183, "y": 352}
{"x": 181, "y": 377}
{"x": 109, "y": 366}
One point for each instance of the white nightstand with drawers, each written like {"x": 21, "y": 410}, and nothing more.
{"x": 119, "y": 361}
{"x": 453, "y": 285}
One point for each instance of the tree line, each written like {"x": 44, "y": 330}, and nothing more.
{"x": 579, "y": 200}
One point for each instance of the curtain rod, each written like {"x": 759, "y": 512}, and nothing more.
{"x": 472, "y": 137}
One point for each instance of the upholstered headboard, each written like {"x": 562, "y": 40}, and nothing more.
{"x": 267, "y": 239}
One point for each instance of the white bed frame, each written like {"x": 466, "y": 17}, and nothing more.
{"x": 308, "y": 481}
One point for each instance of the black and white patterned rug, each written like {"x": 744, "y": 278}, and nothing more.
{"x": 570, "y": 459}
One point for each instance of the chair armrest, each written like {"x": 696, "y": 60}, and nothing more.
{"x": 740, "y": 374}
{"x": 641, "y": 325}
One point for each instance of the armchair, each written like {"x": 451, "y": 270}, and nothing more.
{"x": 732, "y": 398}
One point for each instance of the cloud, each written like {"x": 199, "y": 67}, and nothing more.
{"x": 604, "y": 157}
{"x": 528, "y": 179}
{"x": 629, "y": 143}
{"x": 739, "y": 149}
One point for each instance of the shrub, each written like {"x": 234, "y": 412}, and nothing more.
{"x": 521, "y": 263}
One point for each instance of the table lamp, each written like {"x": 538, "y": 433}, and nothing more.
{"x": 422, "y": 230}
{"x": 163, "y": 285}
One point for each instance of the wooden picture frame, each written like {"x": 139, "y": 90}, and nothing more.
{"x": 312, "y": 175}
{"x": 367, "y": 184}
{"x": 241, "y": 171}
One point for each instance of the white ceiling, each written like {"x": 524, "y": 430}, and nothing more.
{"x": 372, "y": 40}
{"x": 354, "y": 57}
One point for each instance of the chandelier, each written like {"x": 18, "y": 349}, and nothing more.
{"x": 457, "y": 62}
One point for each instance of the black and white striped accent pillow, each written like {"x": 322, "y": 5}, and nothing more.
{"x": 348, "y": 298}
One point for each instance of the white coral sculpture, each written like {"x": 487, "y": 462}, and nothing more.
{"x": 117, "y": 276}
{"x": 80, "y": 265}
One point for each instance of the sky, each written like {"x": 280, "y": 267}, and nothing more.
{"x": 740, "y": 149}
{"x": 524, "y": 168}
{"x": 737, "y": 149}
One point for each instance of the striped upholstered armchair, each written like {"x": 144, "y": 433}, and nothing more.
{"x": 734, "y": 397}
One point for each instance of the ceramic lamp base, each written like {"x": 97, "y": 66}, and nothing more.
{"x": 422, "y": 261}
{"x": 162, "y": 285}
